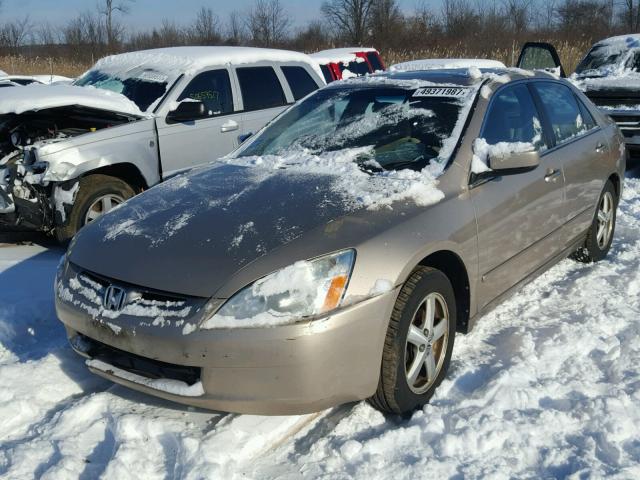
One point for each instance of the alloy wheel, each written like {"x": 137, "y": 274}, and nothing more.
{"x": 102, "y": 205}
{"x": 426, "y": 343}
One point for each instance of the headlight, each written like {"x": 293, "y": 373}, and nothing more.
{"x": 304, "y": 289}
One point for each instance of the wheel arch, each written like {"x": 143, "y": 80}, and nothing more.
{"x": 615, "y": 179}
{"x": 450, "y": 263}
{"x": 127, "y": 172}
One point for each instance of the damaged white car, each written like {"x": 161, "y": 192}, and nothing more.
{"x": 70, "y": 153}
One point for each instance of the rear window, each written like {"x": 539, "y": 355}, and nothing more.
{"x": 562, "y": 107}
{"x": 260, "y": 88}
{"x": 300, "y": 81}
{"x": 358, "y": 67}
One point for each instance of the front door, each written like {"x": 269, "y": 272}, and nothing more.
{"x": 192, "y": 142}
{"x": 519, "y": 215}
{"x": 540, "y": 56}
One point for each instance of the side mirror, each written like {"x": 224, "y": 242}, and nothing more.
{"x": 514, "y": 160}
{"x": 186, "y": 112}
{"x": 244, "y": 137}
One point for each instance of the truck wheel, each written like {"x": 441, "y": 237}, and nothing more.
{"x": 600, "y": 234}
{"x": 97, "y": 194}
{"x": 419, "y": 342}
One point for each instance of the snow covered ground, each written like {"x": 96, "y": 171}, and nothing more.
{"x": 546, "y": 386}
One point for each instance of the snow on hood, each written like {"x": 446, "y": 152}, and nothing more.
{"x": 445, "y": 63}
{"x": 41, "y": 97}
{"x": 205, "y": 226}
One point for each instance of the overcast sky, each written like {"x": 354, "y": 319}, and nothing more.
{"x": 147, "y": 13}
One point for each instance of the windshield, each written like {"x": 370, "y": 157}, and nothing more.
{"x": 604, "y": 58}
{"x": 144, "y": 88}
{"x": 404, "y": 127}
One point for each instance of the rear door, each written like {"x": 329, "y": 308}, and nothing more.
{"x": 200, "y": 140}
{"x": 540, "y": 56}
{"x": 263, "y": 95}
{"x": 580, "y": 145}
{"x": 520, "y": 215}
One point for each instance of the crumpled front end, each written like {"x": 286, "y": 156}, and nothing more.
{"x": 27, "y": 198}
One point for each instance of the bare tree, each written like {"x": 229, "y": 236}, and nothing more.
{"x": 235, "y": 29}
{"x": 46, "y": 34}
{"x": 631, "y": 15}
{"x": 14, "y": 33}
{"x": 108, "y": 9}
{"x": 385, "y": 21}
{"x": 205, "y": 28}
{"x": 350, "y": 18}
{"x": 268, "y": 23}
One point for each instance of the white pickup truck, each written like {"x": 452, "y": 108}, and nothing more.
{"x": 69, "y": 153}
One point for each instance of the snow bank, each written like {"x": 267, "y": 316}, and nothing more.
{"x": 546, "y": 386}
{"x": 41, "y": 97}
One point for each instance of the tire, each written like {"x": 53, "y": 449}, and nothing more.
{"x": 595, "y": 248}
{"x": 394, "y": 393}
{"x": 92, "y": 188}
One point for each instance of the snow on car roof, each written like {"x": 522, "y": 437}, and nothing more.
{"x": 41, "y": 97}
{"x": 447, "y": 63}
{"x": 339, "y": 55}
{"x": 176, "y": 61}
{"x": 632, "y": 40}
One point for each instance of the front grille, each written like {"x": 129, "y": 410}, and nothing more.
{"x": 629, "y": 125}
{"x": 145, "y": 367}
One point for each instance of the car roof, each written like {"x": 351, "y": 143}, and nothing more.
{"x": 340, "y": 55}
{"x": 175, "y": 61}
{"x": 446, "y": 63}
{"x": 631, "y": 40}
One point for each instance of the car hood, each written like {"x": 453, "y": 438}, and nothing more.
{"x": 35, "y": 98}
{"x": 191, "y": 234}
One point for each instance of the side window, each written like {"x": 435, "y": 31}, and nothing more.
{"x": 562, "y": 107}
{"x": 513, "y": 118}
{"x": 375, "y": 62}
{"x": 588, "y": 119}
{"x": 260, "y": 88}
{"x": 300, "y": 81}
{"x": 212, "y": 88}
{"x": 327, "y": 73}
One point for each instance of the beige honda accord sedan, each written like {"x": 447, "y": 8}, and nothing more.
{"x": 337, "y": 253}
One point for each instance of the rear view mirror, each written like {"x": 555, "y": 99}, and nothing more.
{"x": 187, "y": 111}
{"x": 514, "y": 160}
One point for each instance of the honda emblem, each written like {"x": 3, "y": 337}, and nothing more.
{"x": 114, "y": 298}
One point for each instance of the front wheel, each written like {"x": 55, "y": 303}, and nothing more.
{"x": 419, "y": 342}
{"x": 97, "y": 195}
{"x": 600, "y": 234}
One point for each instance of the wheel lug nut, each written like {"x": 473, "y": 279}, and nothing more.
{"x": 422, "y": 348}
{"x": 426, "y": 331}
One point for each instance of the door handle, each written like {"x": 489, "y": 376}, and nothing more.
{"x": 601, "y": 147}
{"x": 552, "y": 175}
{"x": 229, "y": 126}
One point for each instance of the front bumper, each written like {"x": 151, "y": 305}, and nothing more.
{"x": 294, "y": 369}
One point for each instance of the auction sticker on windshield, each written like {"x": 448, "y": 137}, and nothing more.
{"x": 442, "y": 92}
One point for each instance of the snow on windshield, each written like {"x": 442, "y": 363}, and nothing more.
{"x": 381, "y": 145}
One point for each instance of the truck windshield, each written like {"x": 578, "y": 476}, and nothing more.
{"x": 604, "y": 58}
{"x": 404, "y": 128}
{"x": 144, "y": 88}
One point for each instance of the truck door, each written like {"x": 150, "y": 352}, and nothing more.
{"x": 208, "y": 134}
{"x": 540, "y": 56}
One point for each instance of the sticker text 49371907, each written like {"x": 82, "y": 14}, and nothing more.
{"x": 441, "y": 92}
